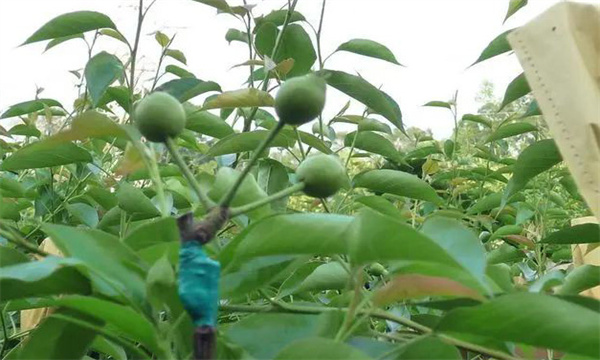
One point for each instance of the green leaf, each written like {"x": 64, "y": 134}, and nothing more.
{"x": 320, "y": 348}
{"x": 380, "y": 204}
{"x": 459, "y": 242}
{"x": 49, "y": 276}
{"x": 477, "y": 119}
{"x": 517, "y": 88}
{"x": 10, "y": 256}
{"x": 578, "y": 234}
{"x": 427, "y": 347}
{"x": 90, "y": 124}
{"x": 505, "y": 254}
{"x": 376, "y": 237}
{"x": 118, "y": 94}
{"x": 397, "y": 183}
{"x": 449, "y": 148}
{"x": 534, "y": 160}
{"x": 403, "y": 287}
{"x": 125, "y": 319}
{"x": 248, "y": 97}
{"x": 496, "y": 47}
{"x": 71, "y": 24}
{"x": 161, "y": 283}
{"x": 513, "y": 7}
{"x": 376, "y": 349}
{"x": 311, "y": 141}
{"x": 290, "y": 234}
{"x": 248, "y": 141}
{"x": 111, "y": 218}
{"x": 115, "y": 34}
{"x": 441, "y": 104}
{"x": 29, "y": 107}
{"x": 84, "y": 213}
{"x": 373, "y": 125}
{"x": 266, "y": 35}
{"x": 178, "y": 71}
{"x": 506, "y": 230}
{"x": 101, "y": 71}
{"x": 206, "y": 123}
{"x": 490, "y": 202}
{"x": 272, "y": 176}
{"x": 296, "y": 44}
{"x": 57, "y": 339}
{"x": 12, "y": 188}
{"x": 247, "y": 276}
{"x": 363, "y": 91}
{"x": 280, "y": 329}
{"x": 25, "y": 130}
{"x": 45, "y": 154}
{"x": 106, "y": 255}
{"x": 102, "y": 196}
{"x": 188, "y": 88}
{"x": 236, "y": 35}
{"x": 220, "y": 5}
{"x": 277, "y": 17}
{"x": 568, "y": 183}
{"x": 134, "y": 202}
{"x": 162, "y": 39}
{"x": 373, "y": 143}
{"x": 249, "y": 191}
{"x": 423, "y": 152}
{"x": 108, "y": 348}
{"x": 165, "y": 171}
{"x": 572, "y": 328}
{"x": 329, "y": 276}
{"x": 579, "y": 279}
{"x": 61, "y": 40}
{"x": 177, "y": 55}
{"x": 369, "y": 48}
{"x": 11, "y": 209}
{"x": 532, "y": 110}
{"x": 155, "y": 232}
{"x": 511, "y": 129}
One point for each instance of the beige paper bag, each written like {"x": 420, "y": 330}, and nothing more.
{"x": 586, "y": 254}
{"x": 560, "y": 52}
{"x": 32, "y": 318}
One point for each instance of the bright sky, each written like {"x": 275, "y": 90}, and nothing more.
{"x": 436, "y": 39}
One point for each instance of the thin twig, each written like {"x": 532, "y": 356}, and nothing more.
{"x": 319, "y": 31}
{"x": 255, "y": 156}
{"x": 378, "y": 314}
{"x": 187, "y": 173}
{"x": 265, "y": 84}
{"x": 278, "y": 195}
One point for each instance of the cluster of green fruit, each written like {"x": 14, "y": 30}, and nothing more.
{"x": 159, "y": 116}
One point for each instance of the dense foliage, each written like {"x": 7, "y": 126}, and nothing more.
{"x": 427, "y": 249}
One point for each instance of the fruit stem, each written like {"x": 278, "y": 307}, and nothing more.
{"x": 157, "y": 180}
{"x": 172, "y": 148}
{"x": 257, "y": 153}
{"x": 276, "y": 196}
{"x": 300, "y": 144}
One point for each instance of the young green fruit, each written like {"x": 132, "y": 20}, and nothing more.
{"x": 323, "y": 175}
{"x": 300, "y": 99}
{"x": 159, "y": 116}
{"x": 376, "y": 269}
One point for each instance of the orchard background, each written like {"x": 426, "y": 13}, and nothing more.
{"x": 430, "y": 247}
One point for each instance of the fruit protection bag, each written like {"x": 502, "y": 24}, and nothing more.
{"x": 560, "y": 52}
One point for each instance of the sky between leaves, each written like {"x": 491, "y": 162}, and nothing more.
{"x": 435, "y": 39}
